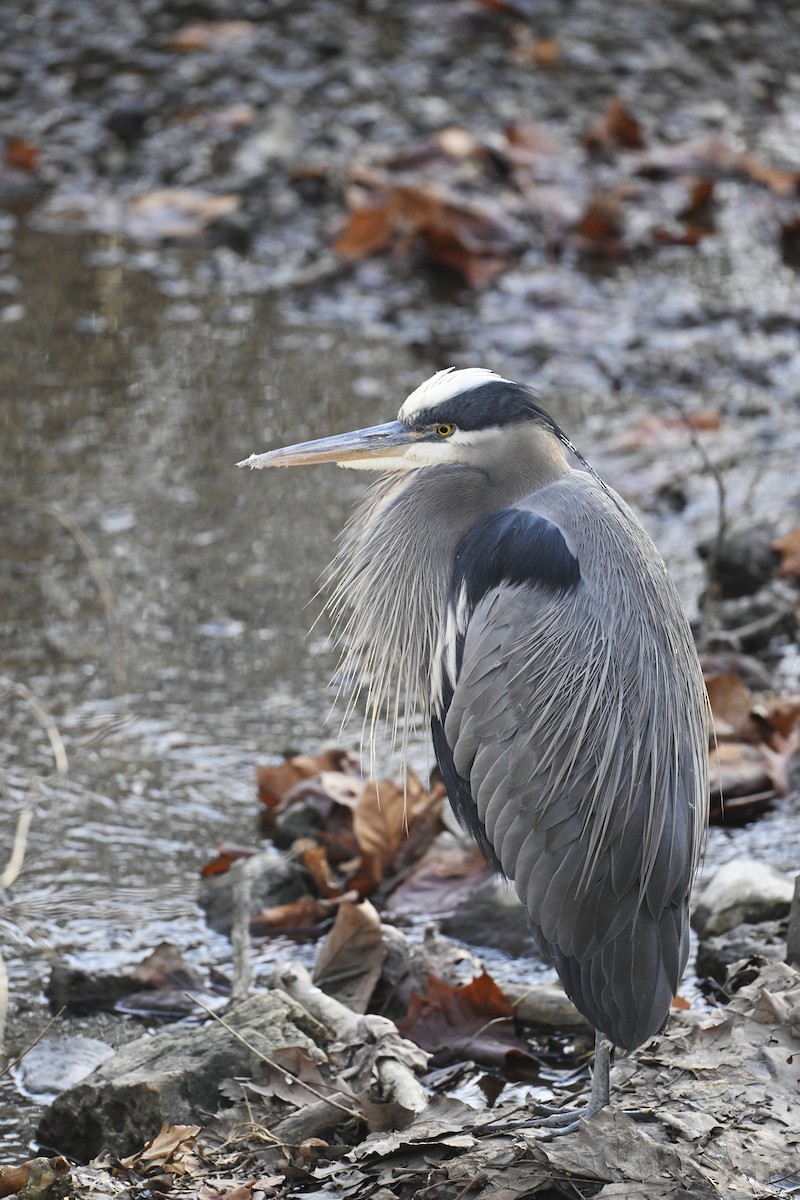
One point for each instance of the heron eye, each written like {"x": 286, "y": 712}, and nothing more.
{"x": 444, "y": 430}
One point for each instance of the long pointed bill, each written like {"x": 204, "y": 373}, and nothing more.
{"x": 381, "y": 441}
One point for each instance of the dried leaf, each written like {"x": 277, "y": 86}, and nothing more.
{"x": 212, "y": 35}
{"x": 616, "y": 128}
{"x": 300, "y": 918}
{"x": 226, "y": 855}
{"x": 314, "y": 858}
{"x": 454, "y": 235}
{"x": 172, "y": 1148}
{"x": 784, "y": 181}
{"x": 350, "y": 959}
{"x": 440, "y": 881}
{"x": 276, "y": 781}
{"x": 789, "y": 549}
{"x": 600, "y": 228}
{"x": 21, "y": 154}
{"x": 732, "y": 706}
{"x": 474, "y": 1021}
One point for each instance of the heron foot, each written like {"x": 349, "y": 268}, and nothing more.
{"x": 556, "y": 1122}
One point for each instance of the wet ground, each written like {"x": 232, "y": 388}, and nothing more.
{"x": 170, "y": 645}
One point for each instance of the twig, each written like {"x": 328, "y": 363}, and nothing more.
{"x": 44, "y": 718}
{"x": 350, "y": 1112}
{"x": 16, "y": 1061}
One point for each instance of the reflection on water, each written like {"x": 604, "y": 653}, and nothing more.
{"x": 153, "y": 597}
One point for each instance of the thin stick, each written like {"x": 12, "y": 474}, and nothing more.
{"x": 16, "y": 1061}
{"x": 350, "y": 1112}
{"x": 45, "y": 720}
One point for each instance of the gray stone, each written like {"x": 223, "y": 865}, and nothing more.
{"x": 173, "y": 1077}
{"x": 742, "y": 890}
{"x": 716, "y": 954}
{"x": 275, "y": 879}
{"x": 492, "y": 915}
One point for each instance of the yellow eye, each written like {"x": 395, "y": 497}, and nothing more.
{"x": 444, "y": 430}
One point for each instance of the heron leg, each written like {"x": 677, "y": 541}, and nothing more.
{"x": 567, "y": 1120}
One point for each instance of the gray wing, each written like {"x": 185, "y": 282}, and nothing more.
{"x": 564, "y": 751}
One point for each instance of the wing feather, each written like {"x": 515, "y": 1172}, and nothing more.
{"x": 557, "y": 725}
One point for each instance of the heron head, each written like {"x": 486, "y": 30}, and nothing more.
{"x": 470, "y": 416}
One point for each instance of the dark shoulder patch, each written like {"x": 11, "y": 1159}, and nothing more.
{"x": 517, "y": 547}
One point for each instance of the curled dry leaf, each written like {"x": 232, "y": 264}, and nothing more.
{"x": 350, "y": 959}
{"x": 172, "y": 1149}
{"x": 274, "y": 782}
{"x": 655, "y": 431}
{"x": 224, "y": 858}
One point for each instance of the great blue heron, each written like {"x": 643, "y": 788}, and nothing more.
{"x": 520, "y": 605}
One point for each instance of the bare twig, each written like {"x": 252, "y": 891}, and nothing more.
{"x": 16, "y": 1061}
{"x": 44, "y": 718}
{"x": 275, "y": 1066}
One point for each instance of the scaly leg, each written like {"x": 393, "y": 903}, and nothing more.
{"x": 567, "y": 1120}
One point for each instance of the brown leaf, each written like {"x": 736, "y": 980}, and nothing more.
{"x": 226, "y": 855}
{"x": 474, "y": 1021}
{"x": 350, "y": 959}
{"x": 739, "y": 783}
{"x": 544, "y": 53}
{"x": 777, "y": 759}
{"x": 172, "y": 1148}
{"x": 276, "y": 781}
{"x": 454, "y": 235}
{"x": 212, "y": 35}
{"x": 600, "y": 228}
{"x": 21, "y": 154}
{"x": 301, "y": 918}
{"x": 314, "y": 858}
{"x": 780, "y": 714}
{"x": 440, "y": 881}
{"x": 616, "y": 128}
{"x": 789, "y": 549}
{"x": 732, "y": 706}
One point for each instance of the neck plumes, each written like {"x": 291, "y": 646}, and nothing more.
{"x": 389, "y": 583}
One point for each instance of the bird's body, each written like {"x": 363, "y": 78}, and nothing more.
{"x": 521, "y": 606}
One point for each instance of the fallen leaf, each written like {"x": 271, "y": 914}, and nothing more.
{"x": 21, "y": 154}
{"x": 440, "y": 881}
{"x": 314, "y": 858}
{"x": 301, "y": 918}
{"x": 474, "y": 1021}
{"x": 226, "y": 855}
{"x": 739, "y": 783}
{"x": 212, "y": 35}
{"x": 616, "y": 128}
{"x": 777, "y": 759}
{"x": 600, "y": 228}
{"x": 789, "y": 549}
{"x": 462, "y": 237}
{"x": 350, "y": 959}
{"x": 784, "y": 181}
{"x": 732, "y": 706}
{"x": 544, "y": 53}
{"x": 275, "y": 782}
{"x": 172, "y": 1149}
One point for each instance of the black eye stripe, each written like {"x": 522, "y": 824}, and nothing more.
{"x": 492, "y": 404}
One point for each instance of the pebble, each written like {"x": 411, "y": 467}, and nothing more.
{"x": 743, "y": 890}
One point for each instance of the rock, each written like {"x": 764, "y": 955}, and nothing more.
{"x": 57, "y": 1063}
{"x": 278, "y": 881}
{"x": 547, "y": 1005}
{"x": 492, "y": 915}
{"x": 742, "y": 890}
{"x": 765, "y": 940}
{"x": 172, "y": 1078}
{"x": 744, "y": 562}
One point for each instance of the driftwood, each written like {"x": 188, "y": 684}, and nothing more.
{"x": 393, "y": 1059}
